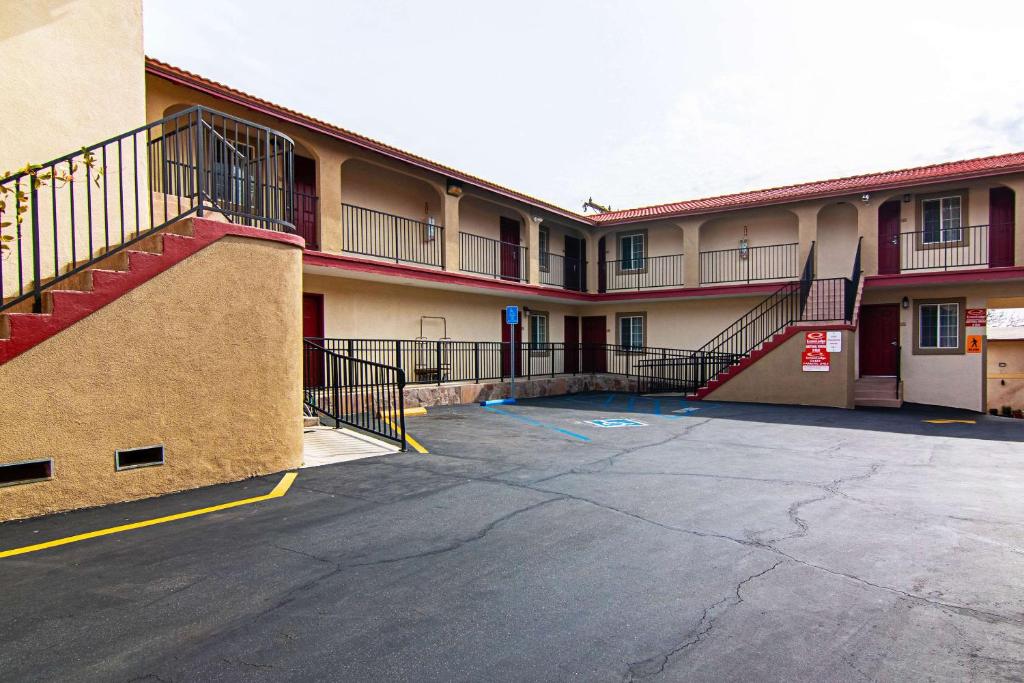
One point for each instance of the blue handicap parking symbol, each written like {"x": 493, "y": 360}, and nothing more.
{"x": 617, "y": 422}
{"x": 686, "y": 411}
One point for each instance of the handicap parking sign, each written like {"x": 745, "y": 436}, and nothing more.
{"x": 617, "y": 422}
{"x": 512, "y": 315}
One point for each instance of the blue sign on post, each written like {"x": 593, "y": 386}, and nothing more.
{"x": 512, "y": 315}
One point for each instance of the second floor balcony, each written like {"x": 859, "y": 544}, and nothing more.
{"x": 750, "y": 264}
{"x": 492, "y": 257}
{"x": 368, "y": 232}
{"x": 641, "y": 272}
{"x": 947, "y": 248}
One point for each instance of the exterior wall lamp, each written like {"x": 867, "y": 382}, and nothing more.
{"x": 906, "y": 198}
{"x": 905, "y": 303}
{"x": 866, "y": 197}
{"x": 454, "y": 188}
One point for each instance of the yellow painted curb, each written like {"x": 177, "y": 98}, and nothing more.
{"x": 277, "y": 492}
{"x": 408, "y": 412}
{"x": 949, "y": 422}
{"x": 417, "y": 446}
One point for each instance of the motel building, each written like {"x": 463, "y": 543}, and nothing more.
{"x": 195, "y": 258}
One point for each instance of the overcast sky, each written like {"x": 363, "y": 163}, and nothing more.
{"x": 637, "y": 102}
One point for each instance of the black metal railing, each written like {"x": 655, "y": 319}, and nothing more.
{"x": 853, "y": 284}
{"x": 307, "y": 218}
{"x": 488, "y": 256}
{"x": 644, "y": 272}
{"x": 563, "y": 271}
{"x": 66, "y": 214}
{"x": 354, "y": 391}
{"x": 753, "y": 264}
{"x": 369, "y": 232}
{"x": 963, "y": 247}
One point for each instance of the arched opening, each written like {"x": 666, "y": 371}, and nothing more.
{"x": 837, "y": 240}
{"x": 387, "y": 214}
{"x": 752, "y": 247}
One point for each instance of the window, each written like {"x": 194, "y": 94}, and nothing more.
{"x": 941, "y": 219}
{"x": 939, "y": 326}
{"x": 632, "y": 249}
{"x": 538, "y": 328}
{"x": 631, "y": 330}
{"x": 545, "y": 248}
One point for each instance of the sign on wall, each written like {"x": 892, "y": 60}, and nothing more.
{"x": 831, "y": 341}
{"x": 816, "y": 360}
{"x": 976, "y": 317}
{"x": 974, "y": 343}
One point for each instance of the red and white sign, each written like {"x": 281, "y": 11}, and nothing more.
{"x": 976, "y": 317}
{"x": 815, "y": 340}
{"x": 816, "y": 360}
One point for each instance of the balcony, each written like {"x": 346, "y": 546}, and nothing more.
{"x": 493, "y": 258}
{"x": 962, "y": 248}
{"x": 563, "y": 271}
{"x": 307, "y": 218}
{"x": 751, "y": 264}
{"x": 368, "y": 232}
{"x": 643, "y": 272}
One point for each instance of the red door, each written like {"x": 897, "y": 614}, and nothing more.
{"x": 594, "y": 340}
{"x": 313, "y": 327}
{"x": 889, "y": 238}
{"x": 506, "y": 359}
{"x": 1000, "y": 227}
{"x": 510, "y": 252}
{"x": 572, "y": 344}
{"x": 305, "y": 201}
{"x": 602, "y": 270}
{"x": 879, "y": 339}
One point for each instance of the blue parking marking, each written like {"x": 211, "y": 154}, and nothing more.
{"x": 537, "y": 423}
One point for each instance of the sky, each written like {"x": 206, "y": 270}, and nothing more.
{"x": 633, "y": 103}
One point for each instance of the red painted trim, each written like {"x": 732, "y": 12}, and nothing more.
{"x": 70, "y": 306}
{"x": 958, "y": 277}
{"x": 364, "y": 265}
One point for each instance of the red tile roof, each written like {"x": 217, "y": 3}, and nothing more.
{"x": 871, "y": 182}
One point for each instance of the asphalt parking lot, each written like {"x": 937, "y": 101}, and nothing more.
{"x": 672, "y": 541}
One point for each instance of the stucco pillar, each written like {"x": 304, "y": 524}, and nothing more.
{"x": 451, "y": 232}
{"x": 593, "y": 260}
{"x": 533, "y": 249}
{"x": 329, "y": 202}
{"x": 807, "y": 231}
{"x": 867, "y": 230}
{"x": 691, "y": 252}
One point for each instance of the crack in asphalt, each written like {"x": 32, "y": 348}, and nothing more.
{"x": 652, "y": 666}
{"x": 831, "y": 491}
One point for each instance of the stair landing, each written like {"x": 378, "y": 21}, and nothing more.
{"x": 877, "y": 392}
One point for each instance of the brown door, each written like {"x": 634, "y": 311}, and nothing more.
{"x": 594, "y": 340}
{"x": 506, "y": 359}
{"x": 305, "y": 201}
{"x": 573, "y": 275}
{"x": 313, "y": 327}
{"x": 572, "y": 344}
{"x": 879, "y": 339}
{"x": 602, "y": 270}
{"x": 889, "y": 238}
{"x": 511, "y": 266}
{"x": 1000, "y": 227}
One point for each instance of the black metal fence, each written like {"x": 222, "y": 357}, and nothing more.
{"x": 307, "y": 218}
{"x": 487, "y": 256}
{"x": 369, "y": 232}
{"x": 645, "y": 272}
{"x": 563, "y": 271}
{"x": 354, "y": 391}
{"x": 62, "y": 216}
{"x": 853, "y": 284}
{"x": 963, "y": 247}
{"x": 774, "y": 262}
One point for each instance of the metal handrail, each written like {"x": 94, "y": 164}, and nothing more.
{"x": 371, "y": 232}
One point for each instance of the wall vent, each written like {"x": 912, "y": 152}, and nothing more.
{"x": 133, "y": 458}
{"x": 26, "y": 472}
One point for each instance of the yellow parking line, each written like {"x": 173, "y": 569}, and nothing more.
{"x": 949, "y": 422}
{"x": 278, "y": 491}
{"x": 417, "y": 446}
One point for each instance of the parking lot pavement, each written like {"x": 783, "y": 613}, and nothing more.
{"x": 593, "y": 537}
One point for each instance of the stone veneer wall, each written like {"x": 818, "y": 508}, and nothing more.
{"x": 458, "y": 394}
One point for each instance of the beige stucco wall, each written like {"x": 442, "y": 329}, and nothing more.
{"x": 59, "y": 55}
{"x": 374, "y": 187}
{"x": 778, "y": 377}
{"x": 204, "y": 358}
{"x": 1006, "y": 382}
{"x": 685, "y": 324}
{"x": 837, "y": 240}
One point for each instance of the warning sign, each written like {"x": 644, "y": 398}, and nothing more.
{"x": 834, "y": 343}
{"x": 976, "y": 317}
{"x": 816, "y": 360}
{"x": 815, "y": 340}
{"x": 974, "y": 343}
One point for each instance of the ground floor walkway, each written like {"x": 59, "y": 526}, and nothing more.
{"x": 602, "y": 537}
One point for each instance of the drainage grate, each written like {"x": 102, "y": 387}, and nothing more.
{"x": 26, "y": 472}
{"x": 133, "y": 458}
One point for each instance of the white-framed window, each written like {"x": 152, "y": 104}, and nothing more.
{"x": 631, "y": 331}
{"x": 538, "y": 329}
{"x": 942, "y": 220}
{"x": 545, "y": 248}
{"x": 939, "y": 326}
{"x": 632, "y": 251}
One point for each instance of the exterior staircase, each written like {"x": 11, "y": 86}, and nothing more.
{"x": 878, "y": 392}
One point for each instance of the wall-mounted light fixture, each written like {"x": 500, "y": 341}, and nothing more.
{"x": 905, "y": 303}
{"x": 454, "y": 188}
{"x": 537, "y": 219}
{"x": 906, "y": 198}
{"x": 866, "y": 197}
